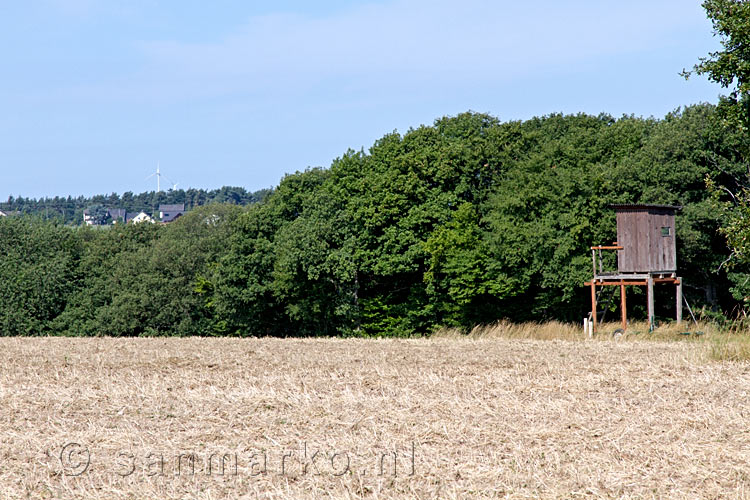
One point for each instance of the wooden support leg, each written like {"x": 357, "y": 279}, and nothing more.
{"x": 679, "y": 302}
{"x": 650, "y": 299}
{"x": 593, "y": 306}
{"x": 623, "y": 308}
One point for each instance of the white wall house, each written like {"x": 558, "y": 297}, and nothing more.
{"x": 142, "y": 217}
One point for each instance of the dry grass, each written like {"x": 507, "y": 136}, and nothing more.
{"x": 488, "y": 417}
{"x": 554, "y": 330}
{"x": 730, "y": 347}
{"x": 727, "y": 345}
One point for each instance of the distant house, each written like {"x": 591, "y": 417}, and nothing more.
{"x": 89, "y": 219}
{"x": 117, "y": 214}
{"x": 168, "y": 213}
{"x": 141, "y": 217}
{"x": 100, "y": 216}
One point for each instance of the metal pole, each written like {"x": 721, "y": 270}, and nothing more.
{"x": 593, "y": 306}
{"x": 679, "y": 301}
{"x": 690, "y": 311}
{"x": 650, "y": 298}
{"x": 623, "y": 307}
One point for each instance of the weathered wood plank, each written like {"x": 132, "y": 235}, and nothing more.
{"x": 647, "y": 246}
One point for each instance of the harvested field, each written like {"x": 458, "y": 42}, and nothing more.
{"x": 319, "y": 418}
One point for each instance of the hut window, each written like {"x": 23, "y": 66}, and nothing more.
{"x": 666, "y": 231}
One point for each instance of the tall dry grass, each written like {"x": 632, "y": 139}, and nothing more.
{"x": 555, "y": 330}
{"x": 552, "y": 330}
{"x": 719, "y": 344}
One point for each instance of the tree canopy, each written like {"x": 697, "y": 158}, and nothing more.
{"x": 466, "y": 221}
{"x": 730, "y": 68}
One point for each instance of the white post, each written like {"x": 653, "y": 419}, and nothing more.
{"x": 585, "y": 326}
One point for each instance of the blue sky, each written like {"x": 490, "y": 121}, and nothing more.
{"x": 94, "y": 93}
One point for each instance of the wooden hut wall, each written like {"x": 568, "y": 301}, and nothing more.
{"x": 662, "y": 249}
{"x": 639, "y": 232}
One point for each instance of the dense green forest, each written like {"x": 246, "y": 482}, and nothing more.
{"x": 466, "y": 221}
{"x": 69, "y": 210}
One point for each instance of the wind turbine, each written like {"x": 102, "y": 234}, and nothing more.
{"x": 158, "y": 178}
{"x": 174, "y": 184}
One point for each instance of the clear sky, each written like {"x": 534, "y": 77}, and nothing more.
{"x": 93, "y": 93}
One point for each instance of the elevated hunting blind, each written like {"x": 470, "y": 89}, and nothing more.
{"x": 646, "y": 254}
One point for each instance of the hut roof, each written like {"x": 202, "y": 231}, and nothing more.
{"x": 643, "y": 206}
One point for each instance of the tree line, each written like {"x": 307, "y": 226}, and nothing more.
{"x": 69, "y": 210}
{"x": 462, "y": 222}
